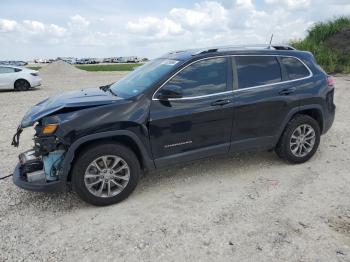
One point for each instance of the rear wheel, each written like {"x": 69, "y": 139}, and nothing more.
{"x": 21, "y": 85}
{"x": 299, "y": 140}
{"x": 105, "y": 174}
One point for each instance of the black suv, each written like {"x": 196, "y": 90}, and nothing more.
{"x": 183, "y": 106}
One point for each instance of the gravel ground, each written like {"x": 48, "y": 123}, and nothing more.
{"x": 247, "y": 207}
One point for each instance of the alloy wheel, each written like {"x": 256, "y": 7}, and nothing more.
{"x": 302, "y": 140}
{"x": 107, "y": 176}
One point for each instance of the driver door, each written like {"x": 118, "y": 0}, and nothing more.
{"x": 196, "y": 121}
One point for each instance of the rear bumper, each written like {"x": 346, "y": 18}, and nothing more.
{"x": 328, "y": 121}
{"x": 34, "y": 81}
{"x": 20, "y": 181}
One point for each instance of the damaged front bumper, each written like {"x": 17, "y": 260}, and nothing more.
{"x": 35, "y": 174}
{"x": 22, "y": 182}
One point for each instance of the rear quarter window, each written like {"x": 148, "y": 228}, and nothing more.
{"x": 295, "y": 69}
{"x": 257, "y": 70}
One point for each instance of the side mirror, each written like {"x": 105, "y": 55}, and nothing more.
{"x": 169, "y": 91}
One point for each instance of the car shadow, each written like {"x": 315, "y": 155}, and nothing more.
{"x": 68, "y": 201}
{"x": 14, "y": 91}
{"x": 225, "y": 165}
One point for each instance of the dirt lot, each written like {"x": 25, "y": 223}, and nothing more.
{"x": 248, "y": 207}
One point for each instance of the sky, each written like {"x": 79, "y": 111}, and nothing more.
{"x": 109, "y": 28}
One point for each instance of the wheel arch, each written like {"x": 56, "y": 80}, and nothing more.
{"x": 315, "y": 111}
{"x": 316, "y": 114}
{"x": 126, "y": 138}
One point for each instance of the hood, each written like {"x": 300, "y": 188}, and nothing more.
{"x": 74, "y": 99}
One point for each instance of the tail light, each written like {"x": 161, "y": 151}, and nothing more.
{"x": 330, "y": 81}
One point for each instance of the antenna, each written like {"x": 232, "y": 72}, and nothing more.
{"x": 270, "y": 41}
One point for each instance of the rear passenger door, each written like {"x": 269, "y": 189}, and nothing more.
{"x": 262, "y": 100}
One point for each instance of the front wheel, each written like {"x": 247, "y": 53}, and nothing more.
{"x": 299, "y": 140}
{"x": 105, "y": 174}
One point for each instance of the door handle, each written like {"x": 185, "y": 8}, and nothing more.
{"x": 221, "y": 102}
{"x": 287, "y": 91}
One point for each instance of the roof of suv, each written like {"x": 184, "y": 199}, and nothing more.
{"x": 226, "y": 50}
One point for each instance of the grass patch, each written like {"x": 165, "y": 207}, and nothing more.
{"x": 328, "y": 41}
{"x": 114, "y": 67}
{"x": 34, "y": 67}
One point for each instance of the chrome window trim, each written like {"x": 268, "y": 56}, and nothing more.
{"x": 198, "y": 97}
{"x": 236, "y": 90}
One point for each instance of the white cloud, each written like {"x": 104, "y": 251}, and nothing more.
{"x": 33, "y": 27}
{"x": 189, "y": 18}
{"x": 210, "y": 23}
{"x": 246, "y": 4}
{"x": 29, "y": 27}
{"x": 7, "y": 25}
{"x": 152, "y": 26}
{"x": 56, "y": 30}
{"x": 206, "y": 16}
{"x": 203, "y": 15}
{"x": 78, "y": 22}
{"x": 291, "y": 4}
{"x": 206, "y": 23}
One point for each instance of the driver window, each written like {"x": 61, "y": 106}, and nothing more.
{"x": 205, "y": 77}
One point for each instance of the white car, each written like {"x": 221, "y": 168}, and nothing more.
{"x": 18, "y": 78}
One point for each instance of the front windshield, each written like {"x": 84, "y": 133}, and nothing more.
{"x": 143, "y": 77}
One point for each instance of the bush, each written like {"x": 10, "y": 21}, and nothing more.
{"x": 331, "y": 58}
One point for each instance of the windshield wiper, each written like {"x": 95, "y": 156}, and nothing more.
{"x": 107, "y": 88}
{"x": 110, "y": 90}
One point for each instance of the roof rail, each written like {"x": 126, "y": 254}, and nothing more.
{"x": 283, "y": 47}
{"x": 242, "y": 47}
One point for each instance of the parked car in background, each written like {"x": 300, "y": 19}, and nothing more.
{"x": 183, "y": 106}
{"x": 18, "y": 78}
{"x": 69, "y": 60}
{"x": 43, "y": 61}
{"x": 94, "y": 61}
{"x": 83, "y": 61}
{"x": 107, "y": 60}
{"x": 14, "y": 63}
{"x": 128, "y": 59}
{"x": 19, "y": 63}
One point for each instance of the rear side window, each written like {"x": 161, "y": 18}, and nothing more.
{"x": 257, "y": 70}
{"x": 5, "y": 70}
{"x": 295, "y": 69}
{"x": 202, "y": 78}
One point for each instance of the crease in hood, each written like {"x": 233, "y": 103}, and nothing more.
{"x": 74, "y": 99}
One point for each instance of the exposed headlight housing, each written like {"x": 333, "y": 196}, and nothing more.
{"x": 49, "y": 129}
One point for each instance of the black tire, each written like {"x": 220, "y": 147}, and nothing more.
{"x": 88, "y": 156}
{"x": 21, "y": 85}
{"x": 283, "y": 148}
